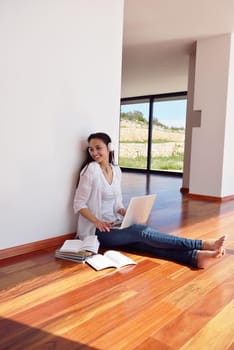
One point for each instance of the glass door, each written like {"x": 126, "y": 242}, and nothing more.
{"x": 168, "y": 134}
{"x": 134, "y": 134}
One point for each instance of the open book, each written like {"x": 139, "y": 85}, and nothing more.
{"x": 110, "y": 258}
{"x": 78, "y": 250}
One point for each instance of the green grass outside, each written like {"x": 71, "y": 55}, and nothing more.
{"x": 173, "y": 163}
{"x": 153, "y": 141}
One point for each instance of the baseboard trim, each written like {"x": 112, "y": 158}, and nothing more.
{"x": 210, "y": 198}
{"x": 34, "y": 246}
{"x": 184, "y": 190}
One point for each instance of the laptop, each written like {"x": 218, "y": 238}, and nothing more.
{"x": 138, "y": 211}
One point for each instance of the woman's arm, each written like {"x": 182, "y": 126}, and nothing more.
{"x": 119, "y": 199}
{"x": 103, "y": 226}
{"x": 83, "y": 190}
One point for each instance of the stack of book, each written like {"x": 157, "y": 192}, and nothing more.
{"x": 86, "y": 251}
{"x": 78, "y": 250}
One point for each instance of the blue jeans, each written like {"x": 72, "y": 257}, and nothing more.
{"x": 145, "y": 239}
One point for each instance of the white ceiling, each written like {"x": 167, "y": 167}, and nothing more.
{"x": 160, "y": 30}
{"x": 160, "y": 21}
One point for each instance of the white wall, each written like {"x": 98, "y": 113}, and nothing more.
{"x": 145, "y": 71}
{"x": 192, "y": 119}
{"x": 228, "y": 164}
{"x": 211, "y": 97}
{"x": 60, "y": 68}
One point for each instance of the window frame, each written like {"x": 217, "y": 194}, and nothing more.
{"x": 152, "y": 99}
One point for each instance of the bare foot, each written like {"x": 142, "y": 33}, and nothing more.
{"x": 205, "y": 257}
{"x": 214, "y": 244}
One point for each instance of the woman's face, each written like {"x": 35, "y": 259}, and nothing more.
{"x": 99, "y": 151}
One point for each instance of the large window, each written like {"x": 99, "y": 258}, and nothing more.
{"x": 152, "y": 131}
{"x": 134, "y": 132}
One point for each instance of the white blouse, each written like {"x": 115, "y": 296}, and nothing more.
{"x": 100, "y": 197}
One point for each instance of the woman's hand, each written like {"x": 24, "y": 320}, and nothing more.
{"x": 103, "y": 226}
{"x": 122, "y": 211}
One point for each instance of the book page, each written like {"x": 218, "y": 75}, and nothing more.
{"x": 118, "y": 258}
{"x": 90, "y": 243}
{"x": 71, "y": 245}
{"x": 100, "y": 262}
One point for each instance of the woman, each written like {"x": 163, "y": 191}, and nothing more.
{"x": 98, "y": 202}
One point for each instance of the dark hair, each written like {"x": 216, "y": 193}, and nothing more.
{"x": 107, "y": 140}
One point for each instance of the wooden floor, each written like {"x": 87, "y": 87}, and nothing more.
{"x": 50, "y": 304}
